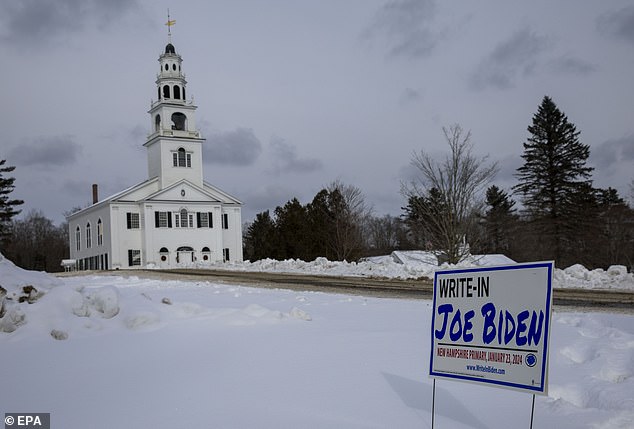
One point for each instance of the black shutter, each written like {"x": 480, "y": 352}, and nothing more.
{"x": 211, "y": 219}
{"x": 129, "y": 257}
{"x": 197, "y": 219}
{"x": 169, "y": 220}
{"x": 129, "y": 219}
{"x": 156, "y": 219}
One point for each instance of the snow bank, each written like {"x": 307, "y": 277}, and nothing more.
{"x": 577, "y": 276}
{"x": 41, "y": 305}
{"x": 420, "y": 264}
{"x": 13, "y": 278}
{"x": 19, "y": 288}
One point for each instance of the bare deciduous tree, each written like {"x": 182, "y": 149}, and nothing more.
{"x": 458, "y": 181}
{"x": 349, "y": 211}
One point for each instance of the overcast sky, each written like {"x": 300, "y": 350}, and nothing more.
{"x": 293, "y": 94}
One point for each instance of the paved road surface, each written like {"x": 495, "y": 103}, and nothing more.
{"x": 618, "y": 300}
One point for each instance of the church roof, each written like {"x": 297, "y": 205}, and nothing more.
{"x": 150, "y": 192}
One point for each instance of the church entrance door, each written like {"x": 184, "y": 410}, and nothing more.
{"x": 185, "y": 255}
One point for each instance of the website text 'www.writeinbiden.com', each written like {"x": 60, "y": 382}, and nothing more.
{"x": 486, "y": 368}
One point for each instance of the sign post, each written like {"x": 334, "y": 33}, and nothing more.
{"x": 491, "y": 325}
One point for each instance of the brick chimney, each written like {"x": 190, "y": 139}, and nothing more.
{"x": 95, "y": 193}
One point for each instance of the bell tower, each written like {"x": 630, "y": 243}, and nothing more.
{"x": 174, "y": 147}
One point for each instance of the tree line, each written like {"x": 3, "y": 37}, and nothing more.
{"x": 452, "y": 208}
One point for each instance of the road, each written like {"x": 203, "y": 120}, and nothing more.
{"x": 612, "y": 300}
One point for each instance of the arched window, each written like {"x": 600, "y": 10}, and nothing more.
{"x": 157, "y": 123}
{"x": 159, "y": 93}
{"x": 78, "y": 238}
{"x": 184, "y": 218}
{"x": 181, "y": 158}
{"x": 88, "y": 236}
{"x": 177, "y": 92}
{"x": 164, "y": 250}
{"x": 184, "y": 98}
{"x": 179, "y": 120}
{"x": 166, "y": 91}
{"x": 99, "y": 233}
{"x": 206, "y": 252}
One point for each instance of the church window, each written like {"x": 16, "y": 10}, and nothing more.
{"x": 134, "y": 257}
{"x": 182, "y": 219}
{"x": 88, "y": 236}
{"x": 132, "y": 220}
{"x": 174, "y": 67}
{"x": 157, "y": 123}
{"x": 183, "y": 93}
{"x": 181, "y": 158}
{"x": 99, "y": 233}
{"x": 167, "y": 67}
{"x": 225, "y": 254}
{"x": 78, "y": 238}
{"x": 225, "y": 221}
{"x": 204, "y": 220}
{"x": 159, "y": 93}
{"x": 179, "y": 120}
{"x": 177, "y": 92}
{"x": 166, "y": 91}
{"x": 163, "y": 219}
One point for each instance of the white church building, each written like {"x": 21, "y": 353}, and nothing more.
{"x": 174, "y": 218}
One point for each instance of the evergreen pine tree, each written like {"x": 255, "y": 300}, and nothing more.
{"x": 261, "y": 239}
{"x": 499, "y": 221}
{"x": 553, "y": 174}
{"x": 7, "y": 207}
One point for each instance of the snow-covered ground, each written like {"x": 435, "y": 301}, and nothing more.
{"x": 114, "y": 352}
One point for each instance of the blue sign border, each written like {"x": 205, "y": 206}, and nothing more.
{"x": 542, "y": 388}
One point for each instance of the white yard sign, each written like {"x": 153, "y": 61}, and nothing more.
{"x": 491, "y": 325}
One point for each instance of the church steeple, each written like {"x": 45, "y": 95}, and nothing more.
{"x": 174, "y": 146}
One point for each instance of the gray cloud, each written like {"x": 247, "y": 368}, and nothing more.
{"x": 406, "y": 27}
{"x": 41, "y": 22}
{"x": 410, "y": 95}
{"x": 268, "y": 198}
{"x": 286, "y": 160}
{"x": 612, "y": 152}
{"x": 618, "y": 24}
{"x": 509, "y": 60}
{"x": 572, "y": 65}
{"x": 46, "y": 151}
{"x": 239, "y": 147}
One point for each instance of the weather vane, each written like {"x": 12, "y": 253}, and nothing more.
{"x": 169, "y": 24}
